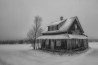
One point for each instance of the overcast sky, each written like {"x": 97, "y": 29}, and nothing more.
{"x": 17, "y": 16}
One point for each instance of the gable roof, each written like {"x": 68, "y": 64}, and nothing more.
{"x": 79, "y": 23}
{"x": 66, "y": 26}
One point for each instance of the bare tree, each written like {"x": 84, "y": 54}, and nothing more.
{"x": 36, "y": 30}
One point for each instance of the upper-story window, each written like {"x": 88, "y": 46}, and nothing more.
{"x": 52, "y": 28}
{"x": 76, "y": 27}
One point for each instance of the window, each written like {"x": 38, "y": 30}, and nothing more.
{"x": 75, "y": 26}
{"x": 52, "y": 28}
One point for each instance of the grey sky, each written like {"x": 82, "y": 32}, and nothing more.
{"x": 16, "y": 16}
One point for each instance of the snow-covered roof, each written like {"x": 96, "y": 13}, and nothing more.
{"x": 67, "y": 24}
{"x": 56, "y": 22}
{"x": 73, "y": 36}
{"x": 53, "y": 37}
{"x": 64, "y": 27}
{"x": 62, "y": 36}
{"x": 56, "y": 31}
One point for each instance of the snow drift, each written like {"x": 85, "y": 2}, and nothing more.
{"x": 22, "y": 54}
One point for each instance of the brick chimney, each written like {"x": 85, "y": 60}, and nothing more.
{"x": 61, "y": 18}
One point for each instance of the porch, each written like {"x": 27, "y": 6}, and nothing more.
{"x": 64, "y": 44}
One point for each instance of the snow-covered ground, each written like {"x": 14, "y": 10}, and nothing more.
{"x": 22, "y": 54}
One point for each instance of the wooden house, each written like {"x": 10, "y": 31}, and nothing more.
{"x": 66, "y": 34}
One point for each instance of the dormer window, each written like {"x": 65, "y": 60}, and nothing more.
{"x": 48, "y": 28}
{"x": 52, "y": 28}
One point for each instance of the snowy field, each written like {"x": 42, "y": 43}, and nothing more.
{"x": 22, "y": 54}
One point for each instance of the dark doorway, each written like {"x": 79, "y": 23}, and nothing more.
{"x": 63, "y": 44}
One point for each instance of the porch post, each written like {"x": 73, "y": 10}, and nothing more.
{"x": 58, "y": 44}
{"x": 52, "y": 44}
{"x": 47, "y": 43}
{"x": 65, "y": 41}
{"x": 87, "y": 43}
{"x": 44, "y": 44}
{"x": 68, "y": 44}
{"x": 84, "y": 43}
{"x": 55, "y": 44}
{"x": 39, "y": 44}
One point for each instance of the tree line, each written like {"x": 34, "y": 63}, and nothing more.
{"x": 27, "y": 41}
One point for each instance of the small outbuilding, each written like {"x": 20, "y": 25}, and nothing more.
{"x": 66, "y": 34}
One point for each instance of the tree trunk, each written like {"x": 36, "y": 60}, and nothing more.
{"x": 34, "y": 45}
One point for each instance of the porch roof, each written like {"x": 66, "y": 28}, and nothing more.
{"x": 77, "y": 36}
{"x": 53, "y": 37}
{"x": 62, "y": 36}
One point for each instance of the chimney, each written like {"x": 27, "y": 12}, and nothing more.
{"x": 61, "y": 18}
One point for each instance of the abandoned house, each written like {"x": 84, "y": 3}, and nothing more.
{"x": 66, "y": 34}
